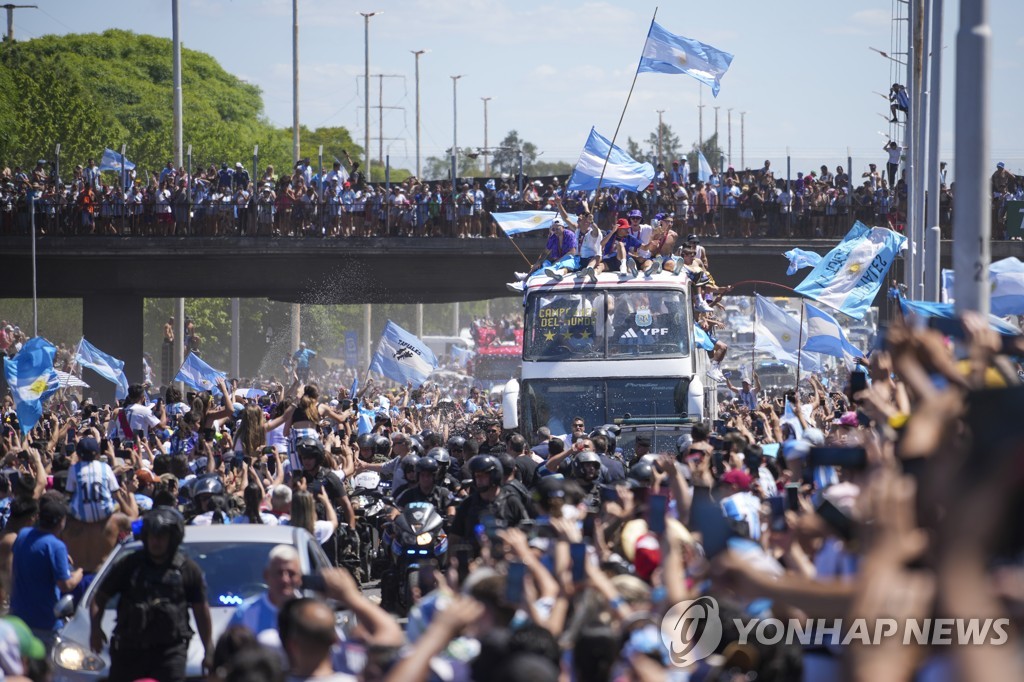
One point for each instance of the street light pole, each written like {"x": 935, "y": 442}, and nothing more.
{"x": 487, "y": 150}
{"x": 416, "y": 54}
{"x": 700, "y": 125}
{"x": 743, "y": 145}
{"x": 972, "y": 219}
{"x": 729, "y": 112}
{"x": 366, "y": 89}
{"x": 295, "y": 82}
{"x": 717, "y": 141}
{"x": 455, "y": 118}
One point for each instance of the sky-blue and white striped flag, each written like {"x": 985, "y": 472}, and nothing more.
{"x": 825, "y": 336}
{"x": 799, "y": 259}
{"x": 199, "y": 375}
{"x": 666, "y": 52}
{"x": 402, "y": 356}
{"x": 622, "y": 171}
{"x": 32, "y": 379}
{"x": 778, "y": 333}
{"x": 1006, "y": 294}
{"x": 107, "y": 366}
{"x": 111, "y": 161}
{"x": 703, "y": 167}
{"x": 850, "y": 275}
{"x": 517, "y": 222}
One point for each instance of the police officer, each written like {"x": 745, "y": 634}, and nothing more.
{"x": 425, "y": 488}
{"x": 311, "y": 454}
{"x": 157, "y": 587}
{"x": 445, "y": 474}
{"x": 488, "y": 497}
{"x": 586, "y": 470}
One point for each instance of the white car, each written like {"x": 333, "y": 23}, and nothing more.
{"x": 232, "y": 557}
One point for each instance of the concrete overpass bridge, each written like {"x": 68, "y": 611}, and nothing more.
{"x": 114, "y": 274}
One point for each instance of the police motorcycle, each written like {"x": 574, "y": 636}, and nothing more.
{"x": 371, "y": 500}
{"x": 415, "y": 540}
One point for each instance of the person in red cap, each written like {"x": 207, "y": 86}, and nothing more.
{"x": 618, "y": 248}
{"x": 738, "y": 503}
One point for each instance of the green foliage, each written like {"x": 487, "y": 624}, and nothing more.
{"x": 670, "y": 146}
{"x": 712, "y": 152}
{"x": 90, "y": 91}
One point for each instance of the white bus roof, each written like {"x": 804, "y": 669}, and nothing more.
{"x": 609, "y": 281}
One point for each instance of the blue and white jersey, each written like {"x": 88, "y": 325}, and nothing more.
{"x": 91, "y": 485}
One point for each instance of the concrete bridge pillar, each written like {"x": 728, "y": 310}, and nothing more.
{"x": 113, "y": 323}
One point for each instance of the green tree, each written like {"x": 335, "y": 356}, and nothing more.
{"x": 633, "y": 148}
{"x": 506, "y": 155}
{"x": 712, "y": 152}
{"x": 671, "y": 147}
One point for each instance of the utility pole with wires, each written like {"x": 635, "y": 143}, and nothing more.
{"x": 743, "y": 146}
{"x": 10, "y": 18}
{"x": 380, "y": 107}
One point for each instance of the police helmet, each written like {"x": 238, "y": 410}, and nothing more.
{"x": 428, "y": 464}
{"x": 642, "y": 474}
{"x": 207, "y": 484}
{"x": 381, "y": 445}
{"x": 408, "y": 463}
{"x": 441, "y": 455}
{"x": 487, "y": 464}
{"x": 456, "y": 443}
{"x": 310, "y": 447}
{"x": 581, "y": 460}
{"x": 164, "y": 520}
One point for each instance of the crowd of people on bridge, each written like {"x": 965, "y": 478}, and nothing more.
{"x": 568, "y": 555}
{"x": 229, "y": 200}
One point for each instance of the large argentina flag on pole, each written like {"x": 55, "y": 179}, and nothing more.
{"x": 778, "y": 333}
{"x": 623, "y": 170}
{"x": 402, "y": 356}
{"x": 107, "y": 366}
{"x": 666, "y": 52}
{"x": 517, "y": 222}
{"x": 32, "y": 379}
{"x": 199, "y": 375}
{"x": 849, "y": 276}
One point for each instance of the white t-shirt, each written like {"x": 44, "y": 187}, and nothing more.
{"x": 590, "y": 244}
{"x": 268, "y": 519}
{"x": 894, "y": 155}
{"x": 140, "y": 418}
{"x": 644, "y": 235}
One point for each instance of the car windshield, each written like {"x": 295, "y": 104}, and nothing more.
{"x": 589, "y": 325}
{"x": 233, "y": 570}
{"x": 554, "y": 403}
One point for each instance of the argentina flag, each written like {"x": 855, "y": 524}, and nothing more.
{"x": 1006, "y": 290}
{"x": 825, "y": 336}
{"x": 666, "y": 52}
{"x": 111, "y": 161}
{"x": 622, "y": 171}
{"x": 798, "y": 259}
{"x": 701, "y": 338}
{"x": 703, "y": 167}
{"x": 777, "y": 333}
{"x": 199, "y": 375}
{"x": 107, "y": 366}
{"x": 850, "y": 275}
{"x": 402, "y": 356}
{"x": 32, "y": 379}
{"x": 517, "y": 222}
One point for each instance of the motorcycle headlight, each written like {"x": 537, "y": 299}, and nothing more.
{"x": 424, "y": 539}
{"x": 71, "y": 656}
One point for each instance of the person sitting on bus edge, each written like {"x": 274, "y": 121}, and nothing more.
{"x": 618, "y": 248}
{"x": 561, "y": 253}
{"x": 643, "y": 232}
{"x": 717, "y": 353}
{"x": 588, "y": 237}
{"x": 663, "y": 241}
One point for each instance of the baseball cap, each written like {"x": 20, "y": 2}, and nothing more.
{"x": 87, "y": 446}
{"x": 622, "y": 224}
{"x": 659, "y": 216}
{"x": 635, "y": 213}
{"x": 557, "y": 221}
{"x": 1000, "y": 165}
{"x": 31, "y": 646}
{"x": 739, "y": 478}
{"x": 692, "y": 238}
{"x": 238, "y": 164}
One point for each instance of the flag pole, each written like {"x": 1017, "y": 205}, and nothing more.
{"x": 799, "y": 345}
{"x": 529, "y": 263}
{"x": 624, "y": 107}
{"x": 753, "y": 346}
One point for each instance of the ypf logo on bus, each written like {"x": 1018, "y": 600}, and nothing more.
{"x": 692, "y": 630}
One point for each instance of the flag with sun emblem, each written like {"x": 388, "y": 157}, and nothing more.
{"x": 777, "y": 333}
{"x": 666, "y": 52}
{"x": 32, "y": 379}
{"x": 850, "y": 275}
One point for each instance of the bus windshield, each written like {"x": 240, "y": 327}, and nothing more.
{"x": 594, "y": 325}
{"x": 554, "y": 403}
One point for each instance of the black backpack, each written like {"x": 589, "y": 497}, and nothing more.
{"x": 153, "y": 612}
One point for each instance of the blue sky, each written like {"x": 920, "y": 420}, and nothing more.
{"x": 802, "y": 70}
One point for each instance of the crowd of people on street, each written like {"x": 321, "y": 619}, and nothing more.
{"x": 892, "y": 497}
{"x": 310, "y": 202}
